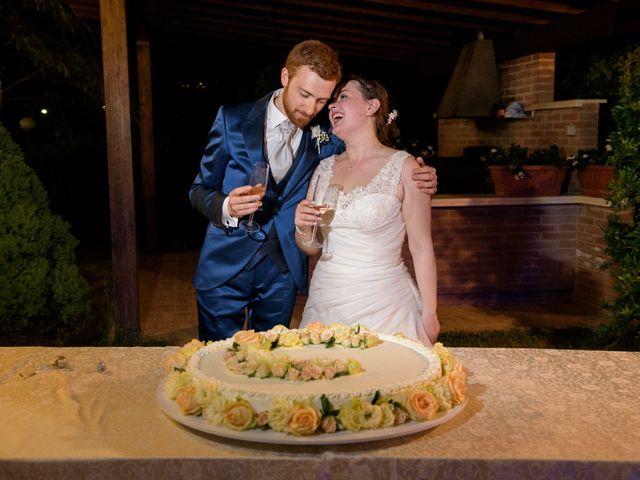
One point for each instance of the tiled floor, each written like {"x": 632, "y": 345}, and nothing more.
{"x": 168, "y": 307}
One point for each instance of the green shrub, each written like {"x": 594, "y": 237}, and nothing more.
{"x": 42, "y": 294}
{"x": 622, "y": 233}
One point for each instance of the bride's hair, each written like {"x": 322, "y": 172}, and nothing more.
{"x": 387, "y": 131}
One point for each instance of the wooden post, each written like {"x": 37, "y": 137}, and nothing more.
{"x": 147, "y": 157}
{"x": 120, "y": 161}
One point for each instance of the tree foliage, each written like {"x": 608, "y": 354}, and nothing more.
{"x": 54, "y": 40}
{"x": 622, "y": 233}
{"x": 42, "y": 294}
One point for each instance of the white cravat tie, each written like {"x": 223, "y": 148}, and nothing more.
{"x": 281, "y": 156}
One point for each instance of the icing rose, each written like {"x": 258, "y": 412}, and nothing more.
{"x": 246, "y": 337}
{"x": 175, "y": 361}
{"x": 329, "y": 424}
{"x": 310, "y": 371}
{"x": 304, "y": 337}
{"x": 326, "y": 335}
{"x": 239, "y": 415}
{"x": 290, "y": 338}
{"x": 314, "y": 337}
{"x": 263, "y": 371}
{"x": 329, "y": 373}
{"x": 340, "y": 367}
{"x": 399, "y": 416}
{"x": 304, "y": 419}
{"x": 356, "y": 339}
{"x": 354, "y": 366}
{"x": 293, "y": 374}
{"x": 457, "y": 384}
{"x": 351, "y": 415}
{"x": 315, "y": 327}
{"x": 388, "y": 419}
{"x": 421, "y": 405}
{"x": 175, "y": 381}
{"x": 263, "y": 419}
{"x": 279, "y": 369}
{"x": 186, "y": 400}
{"x": 271, "y": 335}
{"x": 205, "y": 390}
{"x": 279, "y": 414}
{"x": 372, "y": 416}
{"x": 213, "y": 412}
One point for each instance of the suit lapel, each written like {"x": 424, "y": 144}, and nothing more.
{"x": 253, "y": 130}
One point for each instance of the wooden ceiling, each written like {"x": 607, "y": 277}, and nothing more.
{"x": 400, "y": 30}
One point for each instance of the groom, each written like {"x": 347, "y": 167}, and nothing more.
{"x": 263, "y": 272}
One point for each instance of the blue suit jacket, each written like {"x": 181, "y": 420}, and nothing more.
{"x": 236, "y": 142}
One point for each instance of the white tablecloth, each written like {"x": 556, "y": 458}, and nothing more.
{"x": 531, "y": 414}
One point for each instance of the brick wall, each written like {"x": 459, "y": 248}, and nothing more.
{"x": 485, "y": 255}
{"x": 529, "y": 79}
{"x": 505, "y": 253}
{"x": 520, "y": 253}
{"x": 592, "y": 284}
{"x": 571, "y": 124}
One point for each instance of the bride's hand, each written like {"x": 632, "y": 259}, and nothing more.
{"x": 306, "y": 216}
{"x": 431, "y": 326}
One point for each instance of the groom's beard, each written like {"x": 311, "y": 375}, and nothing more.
{"x": 298, "y": 118}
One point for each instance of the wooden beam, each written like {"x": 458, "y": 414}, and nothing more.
{"x": 147, "y": 152}
{"x": 120, "y": 164}
{"x": 288, "y": 38}
{"x": 447, "y": 8}
{"x": 307, "y": 20}
{"x": 541, "y": 5}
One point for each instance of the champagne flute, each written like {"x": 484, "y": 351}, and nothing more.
{"x": 328, "y": 212}
{"x": 258, "y": 182}
{"x": 318, "y": 196}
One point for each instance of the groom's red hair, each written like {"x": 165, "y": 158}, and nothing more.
{"x": 318, "y": 56}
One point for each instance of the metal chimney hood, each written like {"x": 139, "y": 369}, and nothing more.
{"x": 473, "y": 90}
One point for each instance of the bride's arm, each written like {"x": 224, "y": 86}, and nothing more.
{"x": 416, "y": 211}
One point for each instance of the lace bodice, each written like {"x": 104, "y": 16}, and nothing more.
{"x": 367, "y": 207}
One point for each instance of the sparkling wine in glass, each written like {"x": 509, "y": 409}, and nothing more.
{"x": 258, "y": 182}
{"x": 328, "y": 212}
{"x": 317, "y": 199}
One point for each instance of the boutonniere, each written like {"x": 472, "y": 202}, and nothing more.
{"x": 320, "y": 136}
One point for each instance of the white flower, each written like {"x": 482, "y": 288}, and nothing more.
{"x": 320, "y": 136}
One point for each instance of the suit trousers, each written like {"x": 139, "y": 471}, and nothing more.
{"x": 268, "y": 295}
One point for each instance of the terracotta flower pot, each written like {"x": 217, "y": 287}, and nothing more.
{"x": 540, "y": 180}
{"x": 595, "y": 180}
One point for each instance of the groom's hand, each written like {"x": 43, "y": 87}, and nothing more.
{"x": 241, "y": 203}
{"x": 425, "y": 178}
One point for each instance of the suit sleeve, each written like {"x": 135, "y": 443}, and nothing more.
{"x": 206, "y": 191}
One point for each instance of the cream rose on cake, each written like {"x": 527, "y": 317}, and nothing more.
{"x": 239, "y": 415}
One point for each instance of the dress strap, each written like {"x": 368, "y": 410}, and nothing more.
{"x": 390, "y": 176}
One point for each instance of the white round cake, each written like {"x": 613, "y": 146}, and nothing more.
{"x": 290, "y": 381}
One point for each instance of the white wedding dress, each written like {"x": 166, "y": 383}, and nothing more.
{"x": 365, "y": 280}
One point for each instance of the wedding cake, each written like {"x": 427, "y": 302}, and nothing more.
{"x": 320, "y": 379}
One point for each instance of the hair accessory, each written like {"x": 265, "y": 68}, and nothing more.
{"x": 393, "y": 114}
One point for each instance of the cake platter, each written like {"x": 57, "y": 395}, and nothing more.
{"x": 198, "y": 423}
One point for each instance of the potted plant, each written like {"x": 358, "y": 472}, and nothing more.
{"x": 516, "y": 173}
{"x": 593, "y": 172}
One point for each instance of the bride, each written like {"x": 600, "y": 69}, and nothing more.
{"x": 363, "y": 279}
